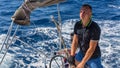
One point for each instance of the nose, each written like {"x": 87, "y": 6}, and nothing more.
{"x": 82, "y": 13}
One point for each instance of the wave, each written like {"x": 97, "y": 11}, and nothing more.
{"x": 114, "y": 6}
{"x": 110, "y": 42}
{"x": 46, "y": 40}
{"x": 8, "y": 58}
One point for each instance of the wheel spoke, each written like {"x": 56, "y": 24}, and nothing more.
{"x": 57, "y": 62}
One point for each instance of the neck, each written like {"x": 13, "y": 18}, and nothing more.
{"x": 85, "y": 23}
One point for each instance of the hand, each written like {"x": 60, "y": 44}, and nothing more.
{"x": 80, "y": 65}
{"x": 71, "y": 60}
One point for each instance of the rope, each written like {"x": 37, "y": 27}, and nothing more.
{"x": 8, "y": 45}
{"x": 31, "y": 47}
{"x": 7, "y": 37}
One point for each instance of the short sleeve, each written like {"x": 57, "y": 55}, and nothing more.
{"x": 96, "y": 33}
{"x": 75, "y": 29}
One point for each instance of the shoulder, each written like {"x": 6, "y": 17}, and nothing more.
{"x": 95, "y": 31}
{"x": 78, "y": 24}
{"x": 94, "y": 25}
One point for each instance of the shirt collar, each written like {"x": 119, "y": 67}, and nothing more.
{"x": 88, "y": 24}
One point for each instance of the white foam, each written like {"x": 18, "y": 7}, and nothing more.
{"x": 8, "y": 58}
{"x": 114, "y": 6}
{"x": 109, "y": 43}
{"x": 7, "y": 61}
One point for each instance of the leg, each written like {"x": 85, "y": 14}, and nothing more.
{"x": 95, "y": 63}
{"x": 78, "y": 58}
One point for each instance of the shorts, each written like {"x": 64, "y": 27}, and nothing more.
{"x": 92, "y": 63}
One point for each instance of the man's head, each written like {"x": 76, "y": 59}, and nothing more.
{"x": 85, "y": 13}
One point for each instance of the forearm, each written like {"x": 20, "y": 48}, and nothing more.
{"x": 73, "y": 49}
{"x": 74, "y": 45}
{"x": 88, "y": 55}
{"x": 90, "y": 51}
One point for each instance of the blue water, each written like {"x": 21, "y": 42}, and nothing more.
{"x": 42, "y": 34}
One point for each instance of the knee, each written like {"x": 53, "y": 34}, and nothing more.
{"x": 93, "y": 65}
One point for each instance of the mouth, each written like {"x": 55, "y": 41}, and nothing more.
{"x": 83, "y": 16}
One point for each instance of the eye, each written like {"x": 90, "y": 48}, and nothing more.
{"x": 82, "y": 11}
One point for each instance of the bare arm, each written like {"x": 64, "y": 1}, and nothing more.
{"x": 90, "y": 51}
{"x": 74, "y": 45}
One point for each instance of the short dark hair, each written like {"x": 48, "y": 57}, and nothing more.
{"x": 87, "y": 5}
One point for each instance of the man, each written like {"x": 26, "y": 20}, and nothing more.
{"x": 86, "y": 37}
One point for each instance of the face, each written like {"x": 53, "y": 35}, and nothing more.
{"x": 85, "y": 14}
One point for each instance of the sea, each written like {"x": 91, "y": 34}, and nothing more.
{"x": 41, "y": 38}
